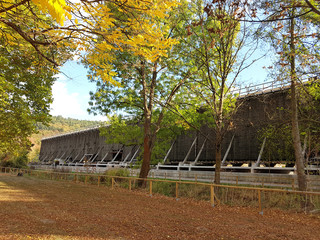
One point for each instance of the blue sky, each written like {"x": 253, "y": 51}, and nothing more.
{"x": 71, "y": 90}
{"x": 71, "y": 93}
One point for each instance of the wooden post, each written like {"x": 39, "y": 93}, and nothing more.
{"x": 292, "y": 183}
{"x": 177, "y": 191}
{"x": 98, "y": 181}
{"x": 130, "y": 184}
{"x": 150, "y": 187}
{"x": 260, "y": 205}
{"x": 212, "y": 195}
{"x": 196, "y": 177}
{"x": 112, "y": 183}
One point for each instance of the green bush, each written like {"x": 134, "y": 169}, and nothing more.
{"x": 16, "y": 162}
{"x": 118, "y": 172}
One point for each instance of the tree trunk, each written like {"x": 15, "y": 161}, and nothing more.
{"x": 149, "y": 138}
{"x": 302, "y": 180}
{"x": 145, "y": 168}
{"x": 218, "y": 160}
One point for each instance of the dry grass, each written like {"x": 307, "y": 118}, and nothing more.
{"x": 32, "y": 208}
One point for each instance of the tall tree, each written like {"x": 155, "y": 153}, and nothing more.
{"x": 214, "y": 42}
{"x": 25, "y": 79}
{"x": 117, "y": 24}
{"x": 141, "y": 84}
{"x": 295, "y": 40}
{"x": 25, "y": 91}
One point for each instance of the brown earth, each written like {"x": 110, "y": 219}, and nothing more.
{"x": 31, "y": 208}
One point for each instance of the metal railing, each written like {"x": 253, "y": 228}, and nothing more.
{"x": 259, "y": 88}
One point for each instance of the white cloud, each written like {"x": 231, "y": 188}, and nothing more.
{"x": 65, "y": 104}
{"x": 70, "y": 104}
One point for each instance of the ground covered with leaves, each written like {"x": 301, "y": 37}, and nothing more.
{"x": 32, "y": 208}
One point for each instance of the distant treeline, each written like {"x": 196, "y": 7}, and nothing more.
{"x": 61, "y": 124}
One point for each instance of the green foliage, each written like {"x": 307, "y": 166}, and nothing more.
{"x": 277, "y": 33}
{"x": 144, "y": 91}
{"x": 309, "y": 114}
{"x": 61, "y": 124}
{"x": 25, "y": 90}
{"x": 29, "y": 55}
{"x": 278, "y": 147}
{"x": 164, "y": 188}
{"x": 211, "y": 39}
{"x": 279, "y": 137}
{"x": 19, "y": 161}
{"x": 124, "y": 131}
{"x": 129, "y": 132}
{"x": 118, "y": 172}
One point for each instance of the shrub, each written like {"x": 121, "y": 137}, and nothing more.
{"x": 118, "y": 172}
{"x": 16, "y": 162}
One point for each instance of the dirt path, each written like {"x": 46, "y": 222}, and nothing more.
{"x": 41, "y": 209}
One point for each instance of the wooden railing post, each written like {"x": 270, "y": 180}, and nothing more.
{"x": 292, "y": 183}
{"x": 177, "y": 191}
{"x": 150, "y": 187}
{"x": 212, "y": 195}
{"x": 130, "y": 184}
{"x": 260, "y": 205}
{"x": 112, "y": 183}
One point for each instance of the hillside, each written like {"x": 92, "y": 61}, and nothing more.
{"x": 58, "y": 125}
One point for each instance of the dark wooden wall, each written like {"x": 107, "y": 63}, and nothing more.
{"x": 254, "y": 113}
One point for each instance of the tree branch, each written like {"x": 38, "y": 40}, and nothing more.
{"x": 313, "y": 8}
{"x": 13, "y": 6}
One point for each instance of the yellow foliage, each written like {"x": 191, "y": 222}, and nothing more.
{"x": 142, "y": 33}
{"x": 56, "y": 8}
{"x": 134, "y": 25}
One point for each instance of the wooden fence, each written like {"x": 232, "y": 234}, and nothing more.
{"x": 263, "y": 180}
{"x": 260, "y": 197}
